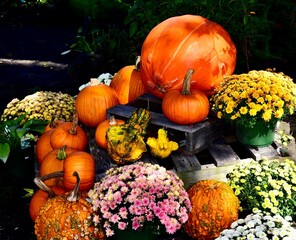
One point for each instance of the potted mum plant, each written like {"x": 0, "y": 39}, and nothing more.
{"x": 267, "y": 185}
{"x": 254, "y": 102}
{"x": 140, "y": 198}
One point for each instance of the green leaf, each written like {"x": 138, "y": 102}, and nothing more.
{"x": 4, "y": 151}
{"x": 36, "y": 125}
{"x": 30, "y": 192}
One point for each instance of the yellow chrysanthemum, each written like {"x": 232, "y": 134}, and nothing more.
{"x": 243, "y": 110}
{"x": 267, "y": 115}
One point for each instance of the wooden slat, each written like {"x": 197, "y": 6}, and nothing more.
{"x": 259, "y": 153}
{"x": 223, "y": 155}
{"x": 185, "y": 162}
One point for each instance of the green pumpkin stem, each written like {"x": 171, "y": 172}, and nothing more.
{"x": 73, "y": 195}
{"x": 187, "y": 82}
{"x": 61, "y": 155}
{"x": 39, "y": 181}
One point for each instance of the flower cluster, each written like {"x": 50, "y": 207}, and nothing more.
{"x": 269, "y": 185}
{"x": 255, "y": 96}
{"x": 260, "y": 226}
{"x": 140, "y": 195}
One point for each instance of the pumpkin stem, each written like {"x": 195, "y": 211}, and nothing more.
{"x": 137, "y": 64}
{"x": 39, "y": 181}
{"x": 53, "y": 122}
{"x": 187, "y": 82}
{"x": 61, "y": 155}
{"x": 73, "y": 130}
{"x": 73, "y": 195}
{"x": 112, "y": 120}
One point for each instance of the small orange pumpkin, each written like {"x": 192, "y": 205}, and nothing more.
{"x": 128, "y": 83}
{"x": 185, "y": 107}
{"x": 53, "y": 123}
{"x": 69, "y": 134}
{"x": 100, "y": 134}
{"x": 92, "y": 102}
{"x": 54, "y": 162}
{"x": 214, "y": 208}
{"x": 84, "y": 164}
{"x": 43, "y": 145}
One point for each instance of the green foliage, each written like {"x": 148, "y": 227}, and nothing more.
{"x": 262, "y": 30}
{"x": 12, "y": 132}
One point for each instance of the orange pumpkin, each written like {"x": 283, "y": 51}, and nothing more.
{"x": 185, "y": 107}
{"x": 84, "y": 164}
{"x": 69, "y": 134}
{"x": 40, "y": 197}
{"x": 53, "y": 123}
{"x": 100, "y": 134}
{"x": 214, "y": 208}
{"x": 183, "y": 42}
{"x": 54, "y": 162}
{"x": 43, "y": 145}
{"x": 68, "y": 216}
{"x": 128, "y": 83}
{"x": 92, "y": 102}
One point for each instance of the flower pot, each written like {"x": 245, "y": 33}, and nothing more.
{"x": 260, "y": 135}
{"x": 135, "y": 235}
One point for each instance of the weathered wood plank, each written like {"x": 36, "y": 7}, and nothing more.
{"x": 258, "y": 153}
{"x": 223, "y": 155}
{"x": 185, "y": 162}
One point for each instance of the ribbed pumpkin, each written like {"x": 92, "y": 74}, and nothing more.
{"x": 67, "y": 217}
{"x": 214, "y": 208}
{"x": 183, "y": 42}
{"x": 128, "y": 83}
{"x": 82, "y": 163}
{"x": 43, "y": 145}
{"x": 54, "y": 162}
{"x": 100, "y": 134}
{"x": 69, "y": 134}
{"x": 185, "y": 107}
{"x": 92, "y": 102}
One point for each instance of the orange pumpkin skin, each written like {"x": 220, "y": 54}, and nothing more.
{"x": 54, "y": 162}
{"x": 43, "y": 145}
{"x": 183, "y": 42}
{"x": 39, "y": 198}
{"x": 128, "y": 84}
{"x": 52, "y": 125}
{"x": 214, "y": 208}
{"x": 100, "y": 134}
{"x": 92, "y": 102}
{"x": 62, "y": 136}
{"x": 84, "y": 164}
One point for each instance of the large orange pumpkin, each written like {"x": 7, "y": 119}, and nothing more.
{"x": 214, "y": 208}
{"x": 183, "y": 42}
{"x": 92, "y": 102}
{"x": 43, "y": 145}
{"x": 128, "y": 83}
{"x": 185, "y": 107}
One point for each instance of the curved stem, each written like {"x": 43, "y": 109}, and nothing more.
{"x": 39, "y": 181}
{"x": 137, "y": 64}
{"x": 73, "y": 195}
{"x": 187, "y": 82}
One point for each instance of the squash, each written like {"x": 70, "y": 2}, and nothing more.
{"x": 69, "y": 134}
{"x": 214, "y": 208}
{"x": 128, "y": 83}
{"x": 185, "y": 107}
{"x": 92, "y": 102}
{"x": 125, "y": 143}
{"x": 68, "y": 216}
{"x": 183, "y": 42}
{"x": 161, "y": 147}
{"x": 53, "y": 123}
{"x": 100, "y": 133}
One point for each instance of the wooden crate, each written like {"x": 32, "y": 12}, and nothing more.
{"x": 191, "y": 138}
